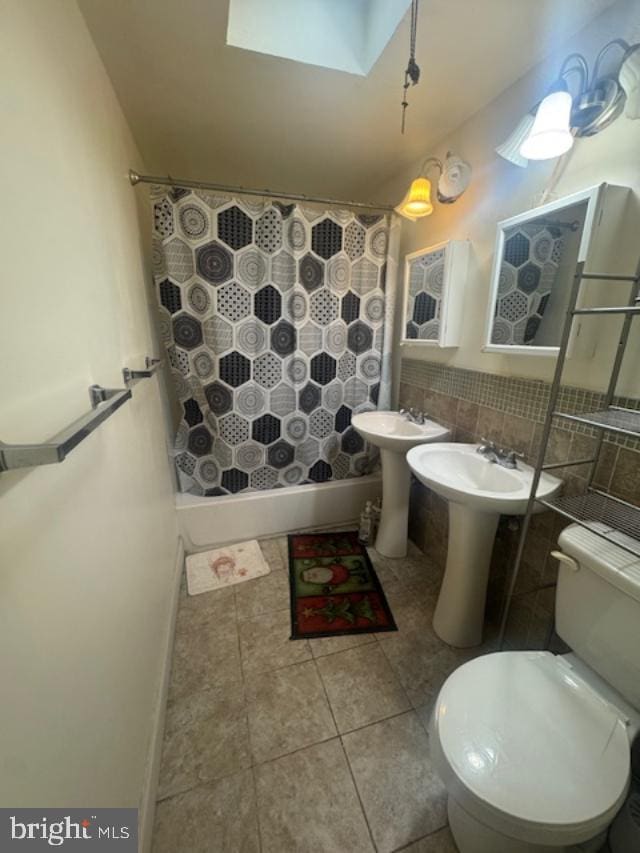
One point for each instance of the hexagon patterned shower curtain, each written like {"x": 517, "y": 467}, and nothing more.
{"x": 275, "y": 321}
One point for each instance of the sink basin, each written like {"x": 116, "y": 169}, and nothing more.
{"x": 394, "y": 434}
{"x": 459, "y": 473}
{"x": 392, "y": 431}
{"x": 478, "y": 491}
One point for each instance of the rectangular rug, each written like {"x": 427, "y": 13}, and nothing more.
{"x": 225, "y": 566}
{"x": 334, "y": 587}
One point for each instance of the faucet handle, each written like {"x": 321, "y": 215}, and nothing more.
{"x": 509, "y": 457}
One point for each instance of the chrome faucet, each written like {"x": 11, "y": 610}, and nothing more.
{"x": 413, "y": 416}
{"x": 499, "y": 455}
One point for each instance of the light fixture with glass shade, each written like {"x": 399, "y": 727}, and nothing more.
{"x": 510, "y": 148}
{"x": 417, "y": 201}
{"x": 550, "y": 134}
{"x": 455, "y": 174}
{"x": 548, "y": 130}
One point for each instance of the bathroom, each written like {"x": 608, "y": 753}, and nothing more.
{"x": 338, "y": 324}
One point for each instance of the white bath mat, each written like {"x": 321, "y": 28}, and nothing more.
{"x": 224, "y": 567}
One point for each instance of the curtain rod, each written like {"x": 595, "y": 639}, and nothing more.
{"x": 135, "y": 178}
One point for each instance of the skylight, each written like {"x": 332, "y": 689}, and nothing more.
{"x": 346, "y": 35}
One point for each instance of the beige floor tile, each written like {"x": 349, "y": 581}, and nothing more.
{"x": 209, "y": 609}
{"x": 262, "y": 595}
{"x": 308, "y": 804}
{"x": 412, "y": 611}
{"x": 265, "y": 643}
{"x": 402, "y": 795}
{"x": 438, "y": 842}
{"x": 420, "y": 575}
{"x": 361, "y": 686}
{"x": 206, "y": 738}
{"x": 424, "y": 711}
{"x": 422, "y": 663}
{"x": 218, "y": 818}
{"x": 204, "y": 657}
{"x": 275, "y": 551}
{"x": 329, "y": 645}
{"x": 287, "y": 710}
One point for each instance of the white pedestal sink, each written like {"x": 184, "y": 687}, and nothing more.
{"x": 478, "y": 491}
{"x": 394, "y": 434}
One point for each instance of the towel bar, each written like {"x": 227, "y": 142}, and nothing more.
{"x": 104, "y": 402}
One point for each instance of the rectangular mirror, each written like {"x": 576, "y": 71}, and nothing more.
{"x": 534, "y": 266}
{"x": 434, "y": 282}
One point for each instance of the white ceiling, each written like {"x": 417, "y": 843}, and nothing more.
{"x": 200, "y": 109}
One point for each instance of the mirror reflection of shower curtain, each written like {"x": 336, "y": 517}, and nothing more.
{"x": 275, "y": 320}
{"x": 528, "y": 274}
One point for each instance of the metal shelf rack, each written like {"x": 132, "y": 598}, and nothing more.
{"x": 613, "y": 519}
{"x": 104, "y": 402}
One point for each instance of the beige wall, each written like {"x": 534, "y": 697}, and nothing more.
{"x": 88, "y": 547}
{"x": 500, "y": 190}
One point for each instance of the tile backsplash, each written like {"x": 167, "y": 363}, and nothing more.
{"x": 510, "y": 411}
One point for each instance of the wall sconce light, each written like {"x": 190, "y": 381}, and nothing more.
{"x": 455, "y": 174}
{"x": 548, "y": 130}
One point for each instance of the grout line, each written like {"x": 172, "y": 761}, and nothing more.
{"x": 422, "y": 838}
{"x": 368, "y": 725}
{"x": 347, "y": 648}
{"x": 296, "y": 751}
{"x": 357, "y": 790}
{"x": 255, "y": 797}
{"x": 346, "y": 757}
{"x": 205, "y": 783}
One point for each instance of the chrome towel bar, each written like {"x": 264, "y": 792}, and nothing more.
{"x": 104, "y": 402}
{"x": 132, "y": 376}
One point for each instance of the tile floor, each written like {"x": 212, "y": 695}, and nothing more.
{"x": 276, "y": 745}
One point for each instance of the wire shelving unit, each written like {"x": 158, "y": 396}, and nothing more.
{"x": 604, "y": 514}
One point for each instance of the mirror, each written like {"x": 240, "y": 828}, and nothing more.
{"x": 434, "y": 282}
{"x": 425, "y": 277}
{"x": 534, "y": 266}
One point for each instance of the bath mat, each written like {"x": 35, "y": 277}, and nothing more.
{"x": 334, "y": 588}
{"x": 224, "y": 567}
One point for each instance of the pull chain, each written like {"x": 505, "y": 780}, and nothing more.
{"x": 412, "y": 73}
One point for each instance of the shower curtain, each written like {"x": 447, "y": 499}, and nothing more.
{"x": 277, "y": 323}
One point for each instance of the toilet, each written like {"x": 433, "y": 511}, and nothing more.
{"x": 534, "y": 748}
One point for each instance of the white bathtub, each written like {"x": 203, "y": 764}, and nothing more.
{"x": 207, "y": 522}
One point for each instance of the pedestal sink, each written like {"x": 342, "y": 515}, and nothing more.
{"x": 478, "y": 491}
{"x": 394, "y": 434}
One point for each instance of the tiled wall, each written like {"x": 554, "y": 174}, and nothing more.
{"x": 510, "y": 411}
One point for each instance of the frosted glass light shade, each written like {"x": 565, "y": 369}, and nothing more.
{"x": 510, "y": 148}
{"x": 417, "y": 201}
{"x": 550, "y": 135}
{"x": 629, "y": 77}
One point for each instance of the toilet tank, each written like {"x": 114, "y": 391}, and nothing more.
{"x": 598, "y": 607}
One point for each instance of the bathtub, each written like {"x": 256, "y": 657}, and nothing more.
{"x": 207, "y": 522}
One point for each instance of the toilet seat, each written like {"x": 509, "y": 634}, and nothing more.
{"x": 528, "y": 748}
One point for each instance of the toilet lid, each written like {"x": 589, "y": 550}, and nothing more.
{"x": 531, "y": 740}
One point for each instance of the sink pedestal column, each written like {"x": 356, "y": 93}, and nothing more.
{"x": 459, "y": 613}
{"x": 391, "y": 540}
